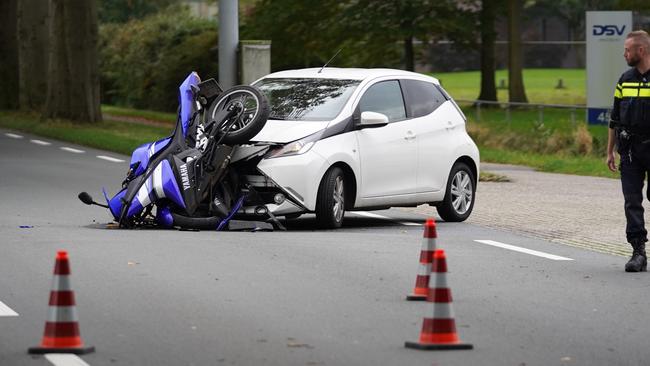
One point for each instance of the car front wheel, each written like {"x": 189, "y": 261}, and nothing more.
{"x": 459, "y": 197}
{"x": 330, "y": 202}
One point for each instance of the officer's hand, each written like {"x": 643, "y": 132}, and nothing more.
{"x": 611, "y": 162}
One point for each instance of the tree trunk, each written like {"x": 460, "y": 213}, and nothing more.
{"x": 73, "y": 85}
{"x": 32, "y": 53}
{"x": 8, "y": 55}
{"x": 516, "y": 90}
{"x": 409, "y": 57}
{"x": 488, "y": 62}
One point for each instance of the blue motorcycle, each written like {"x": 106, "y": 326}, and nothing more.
{"x": 186, "y": 177}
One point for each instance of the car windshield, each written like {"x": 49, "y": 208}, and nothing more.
{"x": 306, "y": 99}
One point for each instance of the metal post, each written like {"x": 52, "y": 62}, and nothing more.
{"x": 573, "y": 118}
{"x": 228, "y": 42}
{"x": 478, "y": 111}
{"x": 541, "y": 114}
{"x": 508, "y": 114}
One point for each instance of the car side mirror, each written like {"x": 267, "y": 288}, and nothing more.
{"x": 373, "y": 119}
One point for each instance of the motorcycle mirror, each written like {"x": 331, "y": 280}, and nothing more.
{"x": 85, "y": 198}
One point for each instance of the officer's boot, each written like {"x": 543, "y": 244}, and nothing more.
{"x": 639, "y": 261}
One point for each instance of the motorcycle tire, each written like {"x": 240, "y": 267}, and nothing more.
{"x": 250, "y": 121}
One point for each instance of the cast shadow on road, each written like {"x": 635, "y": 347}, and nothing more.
{"x": 300, "y": 224}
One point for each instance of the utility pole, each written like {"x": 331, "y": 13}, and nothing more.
{"x": 228, "y": 42}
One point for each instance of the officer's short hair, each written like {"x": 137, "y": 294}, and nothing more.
{"x": 641, "y": 38}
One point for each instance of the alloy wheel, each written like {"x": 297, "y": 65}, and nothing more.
{"x": 339, "y": 199}
{"x": 461, "y": 192}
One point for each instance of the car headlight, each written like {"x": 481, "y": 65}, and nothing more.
{"x": 297, "y": 147}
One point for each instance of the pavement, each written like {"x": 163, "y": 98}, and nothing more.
{"x": 583, "y": 212}
{"x": 305, "y": 296}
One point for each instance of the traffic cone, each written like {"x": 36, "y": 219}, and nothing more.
{"x": 421, "y": 289}
{"x": 61, "y": 333}
{"x": 439, "y": 332}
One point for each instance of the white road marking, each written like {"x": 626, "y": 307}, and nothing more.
{"x": 69, "y": 149}
{"x": 114, "y": 160}
{"x": 41, "y": 142}
{"x": 406, "y": 223}
{"x": 370, "y": 214}
{"x": 377, "y": 216}
{"x": 13, "y": 136}
{"x": 65, "y": 359}
{"x": 6, "y": 311}
{"x": 524, "y": 250}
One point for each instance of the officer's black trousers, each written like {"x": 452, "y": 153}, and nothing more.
{"x": 634, "y": 166}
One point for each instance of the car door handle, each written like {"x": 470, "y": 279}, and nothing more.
{"x": 409, "y": 136}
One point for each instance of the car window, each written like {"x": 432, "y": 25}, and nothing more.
{"x": 384, "y": 97}
{"x": 422, "y": 97}
{"x": 306, "y": 99}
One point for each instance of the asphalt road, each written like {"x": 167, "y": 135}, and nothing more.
{"x": 301, "y": 297}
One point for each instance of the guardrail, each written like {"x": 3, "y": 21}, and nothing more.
{"x": 508, "y": 105}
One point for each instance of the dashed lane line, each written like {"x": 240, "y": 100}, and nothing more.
{"x": 6, "y": 311}
{"x": 69, "y": 149}
{"x": 41, "y": 142}
{"x": 65, "y": 359}
{"x": 377, "y": 216}
{"x": 13, "y": 135}
{"x": 523, "y": 250}
{"x": 108, "y": 158}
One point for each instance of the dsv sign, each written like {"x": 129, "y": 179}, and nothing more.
{"x": 607, "y": 30}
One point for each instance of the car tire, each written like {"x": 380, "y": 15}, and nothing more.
{"x": 460, "y": 194}
{"x": 330, "y": 202}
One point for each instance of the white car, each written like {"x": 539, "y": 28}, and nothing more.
{"x": 362, "y": 139}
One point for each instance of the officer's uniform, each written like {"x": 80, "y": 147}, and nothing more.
{"x": 631, "y": 119}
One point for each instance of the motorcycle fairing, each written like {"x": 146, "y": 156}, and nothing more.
{"x": 186, "y": 100}
{"x": 142, "y": 154}
{"x": 161, "y": 184}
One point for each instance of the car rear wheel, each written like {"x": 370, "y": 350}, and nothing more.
{"x": 330, "y": 202}
{"x": 459, "y": 197}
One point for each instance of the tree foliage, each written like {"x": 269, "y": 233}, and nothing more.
{"x": 371, "y": 33}
{"x": 121, "y": 11}
{"x": 303, "y": 33}
{"x": 144, "y": 60}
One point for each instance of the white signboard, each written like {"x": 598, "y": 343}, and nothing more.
{"x": 605, "y": 33}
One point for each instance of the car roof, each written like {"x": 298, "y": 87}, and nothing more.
{"x": 346, "y": 73}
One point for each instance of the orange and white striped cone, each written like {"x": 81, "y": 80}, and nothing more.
{"x": 421, "y": 289}
{"x": 439, "y": 332}
{"x": 61, "y": 333}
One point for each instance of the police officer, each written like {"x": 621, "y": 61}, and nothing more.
{"x": 629, "y": 130}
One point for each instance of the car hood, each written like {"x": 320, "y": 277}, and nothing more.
{"x": 287, "y": 131}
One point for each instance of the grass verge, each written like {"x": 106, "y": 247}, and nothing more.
{"x": 149, "y": 115}
{"x": 116, "y": 136}
{"x": 578, "y": 165}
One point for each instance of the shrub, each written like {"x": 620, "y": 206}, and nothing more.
{"x": 144, "y": 60}
{"x": 583, "y": 140}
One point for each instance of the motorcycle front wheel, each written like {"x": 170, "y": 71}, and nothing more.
{"x": 253, "y": 111}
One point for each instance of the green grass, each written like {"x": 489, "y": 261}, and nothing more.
{"x": 130, "y": 112}
{"x": 120, "y": 137}
{"x": 539, "y": 84}
{"x": 546, "y": 142}
{"x": 578, "y": 165}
